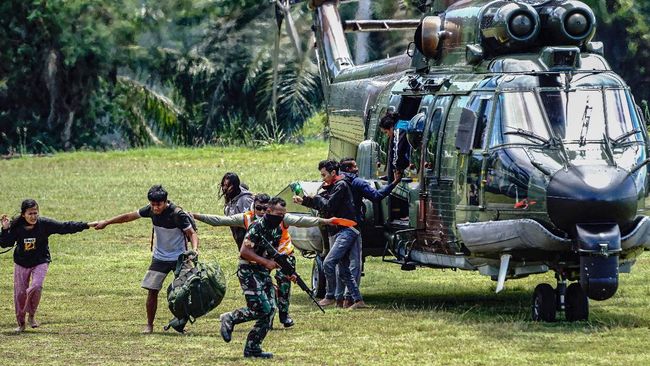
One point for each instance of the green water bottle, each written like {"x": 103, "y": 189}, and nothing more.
{"x": 297, "y": 188}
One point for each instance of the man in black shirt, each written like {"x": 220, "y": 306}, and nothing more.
{"x": 172, "y": 227}
{"x": 336, "y": 201}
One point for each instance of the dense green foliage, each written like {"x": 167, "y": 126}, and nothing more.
{"x": 127, "y": 73}
{"x": 92, "y": 309}
{"x": 124, "y": 73}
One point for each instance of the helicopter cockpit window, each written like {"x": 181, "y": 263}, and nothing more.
{"x": 519, "y": 120}
{"x": 581, "y": 116}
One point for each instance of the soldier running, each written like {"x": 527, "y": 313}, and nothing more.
{"x": 256, "y": 262}
{"x": 246, "y": 219}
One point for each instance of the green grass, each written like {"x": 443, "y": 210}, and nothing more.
{"x": 93, "y": 308}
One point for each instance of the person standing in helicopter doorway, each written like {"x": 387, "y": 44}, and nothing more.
{"x": 238, "y": 200}
{"x": 254, "y": 272}
{"x": 398, "y": 147}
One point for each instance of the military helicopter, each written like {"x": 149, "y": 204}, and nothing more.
{"x": 528, "y": 153}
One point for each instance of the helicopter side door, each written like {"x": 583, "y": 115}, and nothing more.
{"x": 471, "y": 142}
{"x": 439, "y": 159}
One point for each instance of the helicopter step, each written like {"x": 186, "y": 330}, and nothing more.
{"x": 404, "y": 265}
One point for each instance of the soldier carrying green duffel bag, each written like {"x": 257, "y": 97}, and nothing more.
{"x": 197, "y": 288}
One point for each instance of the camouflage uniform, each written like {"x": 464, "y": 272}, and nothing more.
{"x": 257, "y": 286}
{"x": 284, "y": 287}
{"x": 286, "y": 247}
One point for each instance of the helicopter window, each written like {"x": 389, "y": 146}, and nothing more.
{"x": 449, "y": 155}
{"x": 382, "y": 148}
{"x": 587, "y": 114}
{"x": 483, "y": 111}
{"x": 622, "y": 123}
{"x": 432, "y": 144}
{"x": 519, "y": 119}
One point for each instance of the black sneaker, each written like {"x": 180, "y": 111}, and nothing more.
{"x": 258, "y": 354}
{"x": 226, "y": 326}
{"x": 286, "y": 320}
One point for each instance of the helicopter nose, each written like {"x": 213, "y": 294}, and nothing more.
{"x": 591, "y": 194}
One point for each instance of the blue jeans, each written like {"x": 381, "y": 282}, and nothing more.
{"x": 340, "y": 245}
{"x": 355, "y": 268}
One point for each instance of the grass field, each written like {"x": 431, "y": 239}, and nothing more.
{"x": 92, "y": 310}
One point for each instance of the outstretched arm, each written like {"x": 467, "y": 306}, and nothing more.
{"x": 304, "y": 221}
{"x": 217, "y": 220}
{"x": 67, "y": 227}
{"x": 127, "y": 217}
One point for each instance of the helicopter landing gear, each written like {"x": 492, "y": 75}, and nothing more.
{"x": 576, "y": 304}
{"x": 544, "y": 303}
{"x": 572, "y": 300}
{"x": 318, "y": 277}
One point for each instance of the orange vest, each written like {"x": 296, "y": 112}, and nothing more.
{"x": 286, "y": 246}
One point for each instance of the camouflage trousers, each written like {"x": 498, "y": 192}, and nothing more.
{"x": 258, "y": 289}
{"x": 284, "y": 288}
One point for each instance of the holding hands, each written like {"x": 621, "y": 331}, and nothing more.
{"x": 98, "y": 225}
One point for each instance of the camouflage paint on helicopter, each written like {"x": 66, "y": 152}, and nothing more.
{"x": 529, "y": 153}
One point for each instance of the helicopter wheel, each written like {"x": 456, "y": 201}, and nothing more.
{"x": 318, "y": 277}
{"x": 576, "y": 303}
{"x": 544, "y": 303}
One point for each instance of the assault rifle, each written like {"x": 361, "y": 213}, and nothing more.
{"x": 283, "y": 261}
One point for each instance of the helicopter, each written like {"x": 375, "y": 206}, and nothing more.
{"x": 528, "y": 153}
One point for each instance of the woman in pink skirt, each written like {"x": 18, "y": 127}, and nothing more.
{"x": 29, "y": 233}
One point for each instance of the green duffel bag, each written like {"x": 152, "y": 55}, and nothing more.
{"x": 197, "y": 288}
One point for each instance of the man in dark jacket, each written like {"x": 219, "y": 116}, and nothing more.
{"x": 398, "y": 147}
{"x": 336, "y": 201}
{"x": 361, "y": 189}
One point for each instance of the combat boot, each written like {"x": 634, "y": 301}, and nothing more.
{"x": 258, "y": 354}
{"x": 226, "y": 326}
{"x": 286, "y": 320}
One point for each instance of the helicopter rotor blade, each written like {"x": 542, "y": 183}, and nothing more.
{"x": 279, "y": 16}
{"x": 285, "y": 6}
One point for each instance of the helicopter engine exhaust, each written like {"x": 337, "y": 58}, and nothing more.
{"x": 509, "y": 26}
{"x": 593, "y": 204}
{"x": 571, "y": 23}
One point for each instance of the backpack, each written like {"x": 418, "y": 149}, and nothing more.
{"x": 197, "y": 288}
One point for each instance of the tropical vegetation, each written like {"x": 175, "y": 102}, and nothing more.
{"x": 100, "y": 74}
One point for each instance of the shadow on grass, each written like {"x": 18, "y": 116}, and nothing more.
{"x": 488, "y": 307}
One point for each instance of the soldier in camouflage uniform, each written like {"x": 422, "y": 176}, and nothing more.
{"x": 246, "y": 219}
{"x": 256, "y": 262}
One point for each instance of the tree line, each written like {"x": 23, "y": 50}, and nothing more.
{"x": 104, "y": 74}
